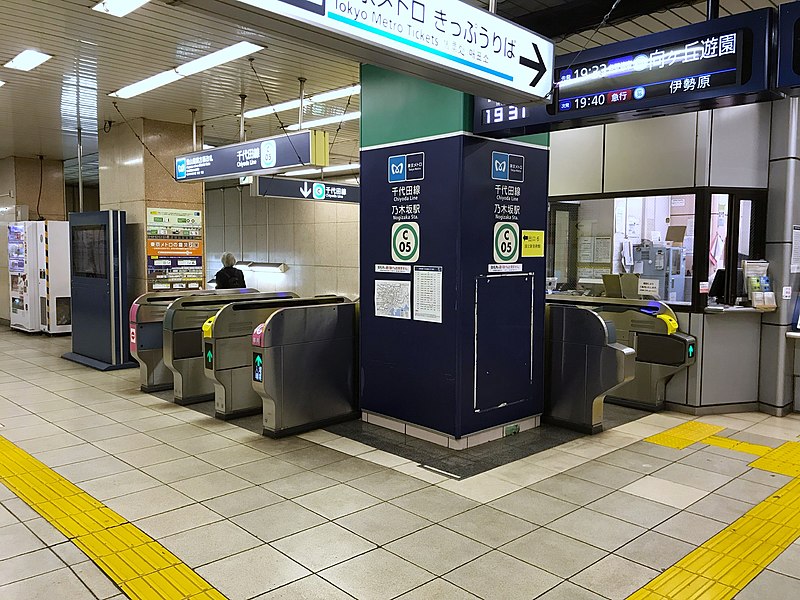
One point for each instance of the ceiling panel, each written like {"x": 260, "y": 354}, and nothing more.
{"x": 95, "y": 54}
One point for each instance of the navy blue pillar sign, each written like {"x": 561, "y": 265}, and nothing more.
{"x": 452, "y": 316}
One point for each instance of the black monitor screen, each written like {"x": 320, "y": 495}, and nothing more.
{"x": 90, "y": 251}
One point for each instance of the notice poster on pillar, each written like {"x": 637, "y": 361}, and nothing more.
{"x": 393, "y": 299}
{"x": 428, "y": 294}
{"x": 174, "y": 249}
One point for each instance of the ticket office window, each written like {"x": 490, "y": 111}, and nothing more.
{"x": 737, "y": 232}
{"x": 656, "y": 241}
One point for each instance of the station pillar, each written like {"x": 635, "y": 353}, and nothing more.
{"x": 138, "y": 182}
{"x": 779, "y": 386}
{"x": 452, "y": 267}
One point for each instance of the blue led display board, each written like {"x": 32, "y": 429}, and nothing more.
{"x": 789, "y": 47}
{"x": 714, "y": 63}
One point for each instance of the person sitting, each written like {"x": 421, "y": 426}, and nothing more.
{"x": 229, "y": 277}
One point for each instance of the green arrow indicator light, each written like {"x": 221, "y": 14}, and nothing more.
{"x": 209, "y": 356}
{"x": 259, "y": 361}
{"x": 691, "y": 350}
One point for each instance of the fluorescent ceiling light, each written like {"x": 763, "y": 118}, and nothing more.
{"x": 119, "y": 8}
{"x": 336, "y": 94}
{"x": 220, "y": 57}
{"x": 195, "y": 66}
{"x": 271, "y": 110}
{"x": 293, "y": 104}
{"x": 331, "y": 169}
{"x": 2, "y": 83}
{"x": 326, "y": 121}
{"x": 145, "y": 85}
{"x": 27, "y": 60}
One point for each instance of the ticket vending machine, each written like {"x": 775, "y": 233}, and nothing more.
{"x": 99, "y": 290}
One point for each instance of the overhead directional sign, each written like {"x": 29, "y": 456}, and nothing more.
{"x": 445, "y": 41}
{"x": 267, "y": 155}
{"x": 302, "y": 189}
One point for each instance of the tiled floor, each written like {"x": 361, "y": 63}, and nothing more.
{"x": 321, "y": 516}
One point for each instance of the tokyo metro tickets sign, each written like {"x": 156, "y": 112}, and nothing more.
{"x": 473, "y": 49}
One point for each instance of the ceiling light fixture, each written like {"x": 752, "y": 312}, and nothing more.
{"x": 119, "y": 8}
{"x": 353, "y": 90}
{"x": 2, "y": 83}
{"x": 271, "y": 110}
{"x": 145, "y": 85}
{"x": 326, "y": 121}
{"x": 215, "y": 59}
{"x": 203, "y": 63}
{"x": 331, "y": 169}
{"x": 27, "y": 60}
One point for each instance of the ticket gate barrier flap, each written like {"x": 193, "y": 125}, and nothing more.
{"x": 228, "y": 351}
{"x": 146, "y": 321}
{"x": 307, "y": 363}
{"x": 584, "y": 363}
{"x": 183, "y": 340}
{"x": 658, "y": 358}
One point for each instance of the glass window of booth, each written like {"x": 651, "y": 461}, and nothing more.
{"x": 654, "y": 246}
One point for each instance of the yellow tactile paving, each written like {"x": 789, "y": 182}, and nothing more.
{"x": 731, "y": 444}
{"x": 721, "y": 567}
{"x": 784, "y": 460}
{"x": 684, "y": 435}
{"x": 139, "y": 565}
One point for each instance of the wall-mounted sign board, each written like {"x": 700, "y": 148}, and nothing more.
{"x": 257, "y": 157}
{"x": 709, "y": 64}
{"x": 302, "y": 189}
{"x": 444, "y": 41}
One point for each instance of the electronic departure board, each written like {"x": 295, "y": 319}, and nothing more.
{"x": 701, "y": 66}
{"x": 703, "y": 63}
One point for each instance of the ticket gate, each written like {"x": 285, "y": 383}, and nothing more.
{"x": 228, "y": 356}
{"x": 305, "y": 367}
{"x": 147, "y": 334}
{"x": 651, "y": 329}
{"x": 183, "y": 340}
{"x": 584, "y": 363}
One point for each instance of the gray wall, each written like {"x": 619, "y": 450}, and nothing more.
{"x": 317, "y": 240}
{"x": 724, "y": 147}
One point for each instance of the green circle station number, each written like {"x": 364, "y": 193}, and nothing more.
{"x": 406, "y": 242}
{"x": 506, "y": 242}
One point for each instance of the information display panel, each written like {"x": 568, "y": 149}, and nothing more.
{"x": 701, "y": 66}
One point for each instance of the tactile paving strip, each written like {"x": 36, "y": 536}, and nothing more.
{"x": 684, "y": 435}
{"x": 731, "y": 444}
{"x": 139, "y": 565}
{"x": 725, "y": 564}
{"x": 785, "y": 460}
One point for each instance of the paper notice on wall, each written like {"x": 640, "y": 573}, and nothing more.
{"x": 602, "y": 249}
{"x": 393, "y": 299}
{"x": 428, "y": 294}
{"x": 795, "y": 249}
{"x": 586, "y": 250}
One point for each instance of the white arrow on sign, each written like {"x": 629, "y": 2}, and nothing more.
{"x": 305, "y": 190}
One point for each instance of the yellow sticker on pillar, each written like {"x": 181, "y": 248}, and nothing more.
{"x": 532, "y": 244}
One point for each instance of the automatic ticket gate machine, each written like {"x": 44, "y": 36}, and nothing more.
{"x": 583, "y": 363}
{"x": 228, "y": 356}
{"x": 146, "y": 322}
{"x": 305, "y": 367}
{"x": 183, "y": 340}
{"x": 651, "y": 329}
